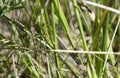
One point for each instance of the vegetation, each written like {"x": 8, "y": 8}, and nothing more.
{"x": 59, "y": 38}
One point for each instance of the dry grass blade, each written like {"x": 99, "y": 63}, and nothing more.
{"x": 86, "y": 52}
{"x": 102, "y": 6}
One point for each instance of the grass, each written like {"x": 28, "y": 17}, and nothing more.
{"x": 59, "y": 39}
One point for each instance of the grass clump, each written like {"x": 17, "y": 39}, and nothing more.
{"x": 59, "y": 39}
